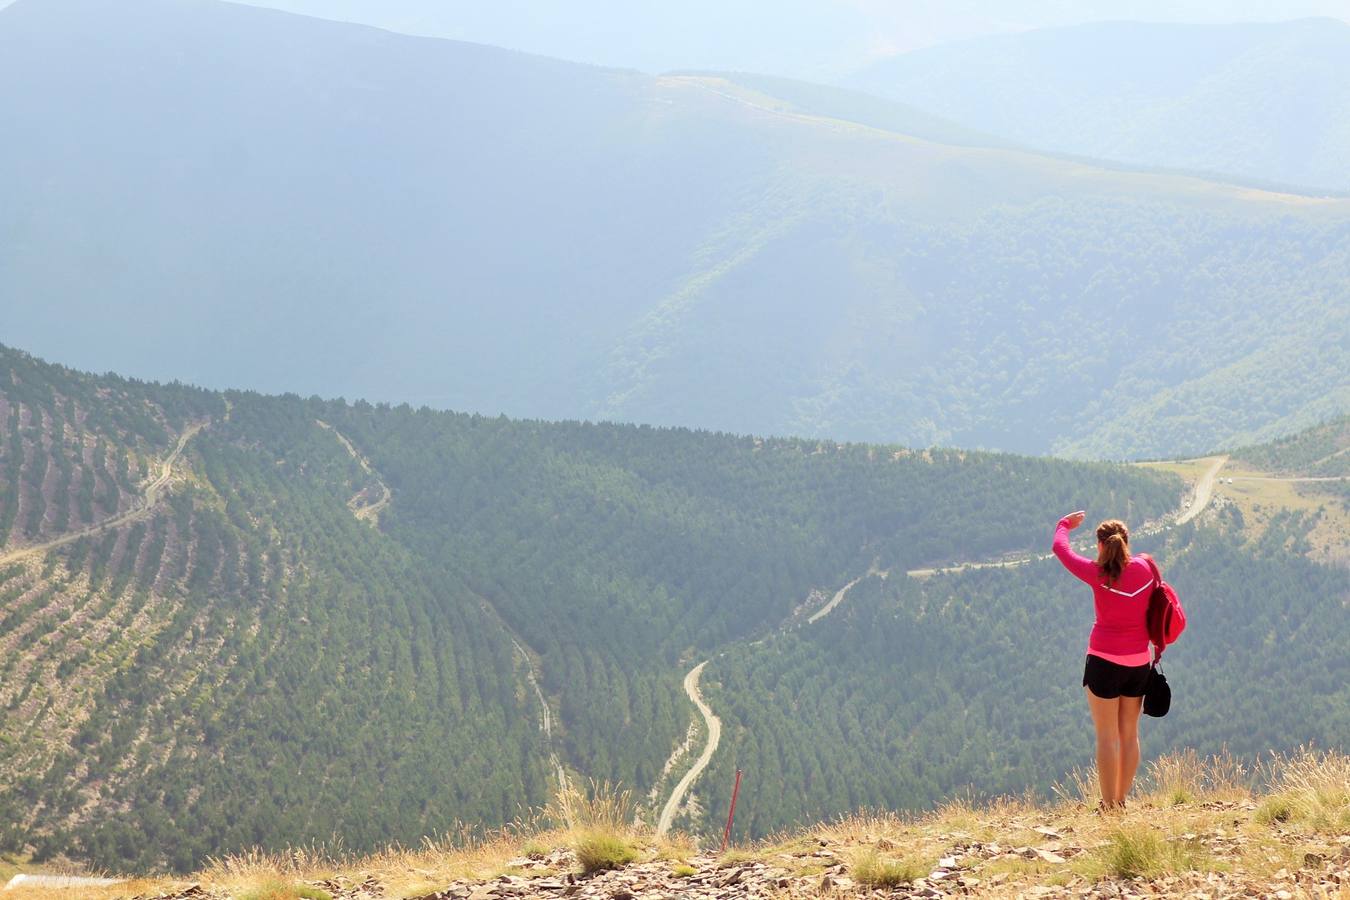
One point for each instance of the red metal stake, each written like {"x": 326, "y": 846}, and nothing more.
{"x": 731, "y": 813}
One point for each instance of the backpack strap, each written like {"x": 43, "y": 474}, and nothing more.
{"x": 1157, "y": 585}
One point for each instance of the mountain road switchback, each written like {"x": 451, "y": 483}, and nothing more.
{"x": 135, "y": 514}
{"x": 714, "y": 737}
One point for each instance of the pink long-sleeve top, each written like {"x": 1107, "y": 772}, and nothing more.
{"x": 1120, "y": 634}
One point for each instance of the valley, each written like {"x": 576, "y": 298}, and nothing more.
{"x": 152, "y": 650}
{"x": 434, "y": 471}
{"x": 543, "y": 624}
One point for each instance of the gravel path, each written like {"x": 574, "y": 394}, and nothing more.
{"x": 152, "y": 497}
{"x": 714, "y": 736}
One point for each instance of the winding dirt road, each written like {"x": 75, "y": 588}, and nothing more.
{"x": 1204, "y": 490}
{"x": 714, "y": 737}
{"x": 545, "y": 714}
{"x": 1202, "y": 493}
{"x": 369, "y": 512}
{"x": 834, "y": 601}
{"x": 135, "y": 514}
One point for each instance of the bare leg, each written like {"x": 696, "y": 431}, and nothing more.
{"x": 1128, "y": 727}
{"x": 1106, "y": 720}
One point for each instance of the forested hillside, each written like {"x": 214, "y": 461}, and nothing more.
{"x": 271, "y": 202}
{"x": 246, "y": 660}
{"x": 921, "y": 687}
{"x": 1262, "y": 101}
{"x": 247, "y": 663}
{"x": 916, "y": 690}
{"x": 617, "y": 552}
{"x": 1322, "y": 451}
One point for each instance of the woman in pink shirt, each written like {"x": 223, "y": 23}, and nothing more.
{"x": 1118, "y": 658}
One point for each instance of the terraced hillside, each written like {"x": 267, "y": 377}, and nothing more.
{"x": 72, "y": 460}
{"x": 234, "y": 666}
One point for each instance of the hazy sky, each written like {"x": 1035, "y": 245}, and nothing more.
{"x": 816, "y": 39}
{"x": 820, "y": 39}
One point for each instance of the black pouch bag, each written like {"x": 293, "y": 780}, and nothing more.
{"x": 1158, "y": 695}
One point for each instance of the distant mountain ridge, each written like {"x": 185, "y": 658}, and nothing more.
{"x": 243, "y": 198}
{"x": 1259, "y": 100}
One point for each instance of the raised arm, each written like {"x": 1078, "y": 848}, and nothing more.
{"x": 1082, "y": 567}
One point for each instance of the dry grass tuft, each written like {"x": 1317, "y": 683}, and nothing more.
{"x": 1177, "y": 778}
{"x": 736, "y": 857}
{"x": 604, "y": 806}
{"x": 119, "y": 891}
{"x": 674, "y": 847}
{"x": 463, "y": 853}
{"x": 1180, "y": 778}
{"x": 600, "y": 851}
{"x": 858, "y": 827}
{"x": 868, "y": 867}
{"x": 293, "y": 862}
{"x": 1140, "y": 851}
{"x": 599, "y": 821}
{"x": 1133, "y": 852}
{"x": 281, "y": 890}
{"x": 533, "y": 849}
{"x": 1080, "y": 787}
{"x": 1311, "y": 787}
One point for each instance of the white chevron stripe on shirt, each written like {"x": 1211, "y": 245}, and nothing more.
{"x": 1134, "y": 594}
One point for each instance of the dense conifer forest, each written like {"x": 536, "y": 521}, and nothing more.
{"x": 270, "y": 654}
{"x": 969, "y": 683}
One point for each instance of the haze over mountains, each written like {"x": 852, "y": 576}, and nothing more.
{"x": 820, "y": 40}
{"x": 1268, "y": 101}
{"x": 240, "y": 197}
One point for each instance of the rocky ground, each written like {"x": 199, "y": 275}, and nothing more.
{"x": 1229, "y": 854}
{"x": 1194, "y": 829}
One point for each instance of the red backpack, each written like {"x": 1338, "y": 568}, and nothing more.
{"x": 1166, "y": 618}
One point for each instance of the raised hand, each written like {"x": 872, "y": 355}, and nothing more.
{"x": 1076, "y": 518}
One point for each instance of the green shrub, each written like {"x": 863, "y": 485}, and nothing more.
{"x": 533, "y": 850}
{"x": 281, "y": 890}
{"x": 683, "y": 871}
{"x": 1309, "y": 787}
{"x": 1275, "y": 809}
{"x": 1132, "y": 852}
{"x": 874, "y": 870}
{"x": 735, "y": 858}
{"x": 599, "y": 851}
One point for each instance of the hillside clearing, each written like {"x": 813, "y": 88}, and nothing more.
{"x": 1262, "y": 496}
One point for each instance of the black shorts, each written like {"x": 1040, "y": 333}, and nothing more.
{"x": 1110, "y": 680}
